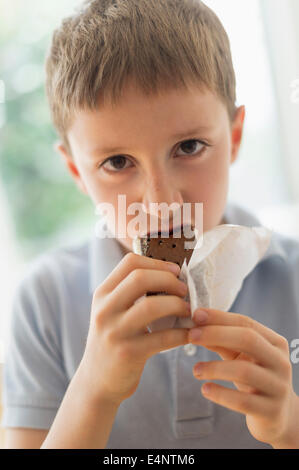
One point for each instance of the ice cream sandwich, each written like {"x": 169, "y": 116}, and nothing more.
{"x": 164, "y": 247}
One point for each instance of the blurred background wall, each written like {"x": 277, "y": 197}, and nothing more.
{"x": 41, "y": 208}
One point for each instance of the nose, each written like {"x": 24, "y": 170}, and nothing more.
{"x": 161, "y": 191}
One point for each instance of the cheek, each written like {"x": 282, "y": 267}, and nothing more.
{"x": 209, "y": 185}
{"x": 216, "y": 187}
{"x": 102, "y": 192}
{"x": 118, "y": 218}
{"x": 210, "y": 178}
{"x": 105, "y": 190}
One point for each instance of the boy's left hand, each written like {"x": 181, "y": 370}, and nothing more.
{"x": 257, "y": 360}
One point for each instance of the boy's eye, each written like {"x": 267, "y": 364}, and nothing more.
{"x": 191, "y": 146}
{"x": 118, "y": 163}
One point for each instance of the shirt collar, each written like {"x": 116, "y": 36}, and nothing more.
{"x": 106, "y": 253}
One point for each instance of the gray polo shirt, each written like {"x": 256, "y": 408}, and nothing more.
{"x": 50, "y": 321}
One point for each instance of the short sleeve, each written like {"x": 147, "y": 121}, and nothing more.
{"x": 34, "y": 378}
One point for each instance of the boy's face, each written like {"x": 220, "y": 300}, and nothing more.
{"x": 174, "y": 147}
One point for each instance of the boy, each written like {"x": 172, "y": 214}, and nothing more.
{"x": 131, "y": 84}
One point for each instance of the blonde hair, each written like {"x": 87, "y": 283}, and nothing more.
{"x": 157, "y": 43}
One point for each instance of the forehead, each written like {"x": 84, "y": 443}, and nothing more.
{"x": 167, "y": 113}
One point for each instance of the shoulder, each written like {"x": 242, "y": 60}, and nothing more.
{"x": 56, "y": 263}
{"x": 283, "y": 250}
{"x": 287, "y": 248}
{"x": 49, "y": 279}
{"x": 280, "y": 265}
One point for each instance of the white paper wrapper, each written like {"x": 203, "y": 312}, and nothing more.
{"x": 217, "y": 268}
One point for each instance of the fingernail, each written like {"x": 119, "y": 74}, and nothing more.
{"x": 174, "y": 267}
{"x": 198, "y": 369}
{"x": 206, "y": 388}
{"x": 194, "y": 334}
{"x": 183, "y": 288}
{"x": 201, "y": 316}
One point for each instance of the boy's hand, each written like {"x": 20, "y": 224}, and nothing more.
{"x": 118, "y": 343}
{"x": 256, "y": 360}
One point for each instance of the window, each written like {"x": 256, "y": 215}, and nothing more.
{"x": 258, "y": 177}
{"x": 29, "y": 224}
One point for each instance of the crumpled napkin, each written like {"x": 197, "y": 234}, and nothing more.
{"x": 220, "y": 261}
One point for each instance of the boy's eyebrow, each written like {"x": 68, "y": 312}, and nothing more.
{"x": 180, "y": 135}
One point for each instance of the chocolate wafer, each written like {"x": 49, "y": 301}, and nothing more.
{"x": 165, "y": 248}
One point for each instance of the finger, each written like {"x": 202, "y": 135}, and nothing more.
{"x": 140, "y": 281}
{"x": 130, "y": 262}
{"x": 148, "y": 309}
{"x": 228, "y": 354}
{"x": 218, "y": 317}
{"x": 246, "y": 403}
{"x": 149, "y": 344}
{"x": 242, "y": 372}
{"x": 240, "y": 339}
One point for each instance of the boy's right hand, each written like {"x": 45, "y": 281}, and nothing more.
{"x": 118, "y": 343}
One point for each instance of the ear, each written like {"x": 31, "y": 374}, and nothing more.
{"x": 73, "y": 170}
{"x": 237, "y": 132}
